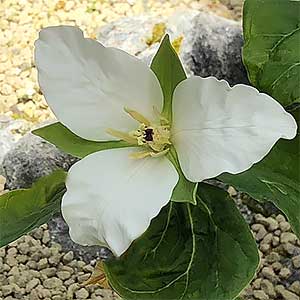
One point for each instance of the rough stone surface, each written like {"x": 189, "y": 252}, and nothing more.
{"x": 211, "y": 45}
{"x": 60, "y": 233}
{"x": 10, "y": 132}
{"x": 30, "y": 159}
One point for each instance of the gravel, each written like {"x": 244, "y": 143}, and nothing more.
{"x": 278, "y": 276}
{"x": 32, "y": 269}
{"x": 35, "y": 267}
{"x": 21, "y": 20}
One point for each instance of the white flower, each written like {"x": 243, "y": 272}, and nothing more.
{"x": 105, "y": 94}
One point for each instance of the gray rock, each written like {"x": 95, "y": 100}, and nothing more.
{"x": 216, "y": 45}
{"x": 30, "y": 159}
{"x": 10, "y": 132}
{"x": 211, "y": 45}
{"x": 60, "y": 233}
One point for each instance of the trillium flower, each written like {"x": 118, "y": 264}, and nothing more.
{"x": 105, "y": 94}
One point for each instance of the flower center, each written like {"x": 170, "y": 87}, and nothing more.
{"x": 154, "y": 137}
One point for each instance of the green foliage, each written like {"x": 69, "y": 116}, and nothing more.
{"x": 275, "y": 178}
{"x": 184, "y": 191}
{"x": 272, "y": 57}
{"x": 64, "y": 139}
{"x": 189, "y": 252}
{"x": 272, "y": 53}
{"x": 167, "y": 67}
{"x": 23, "y": 210}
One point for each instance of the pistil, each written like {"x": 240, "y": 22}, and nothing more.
{"x": 154, "y": 137}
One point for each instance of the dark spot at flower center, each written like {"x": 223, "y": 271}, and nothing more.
{"x": 149, "y": 135}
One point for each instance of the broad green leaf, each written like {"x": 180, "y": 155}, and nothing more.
{"x": 276, "y": 178}
{"x": 184, "y": 191}
{"x": 272, "y": 51}
{"x": 23, "y": 210}
{"x": 167, "y": 67}
{"x": 198, "y": 252}
{"x": 64, "y": 139}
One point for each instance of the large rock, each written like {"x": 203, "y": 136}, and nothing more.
{"x": 59, "y": 232}
{"x": 30, "y": 159}
{"x": 211, "y": 45}
{"x": 10, "y": 132}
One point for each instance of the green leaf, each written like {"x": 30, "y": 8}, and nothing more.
{"x": 276, "y": 178}
{"x": 198, "y": 252}
{"x": 184, "y": 191}
{"x": 23, "y": 210}
{"x": 168, "y": 69}
{"x": 64, "y": 139}
{"x": 271, "y": 53}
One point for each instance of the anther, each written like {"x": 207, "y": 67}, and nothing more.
{"x": 137, "y": 116}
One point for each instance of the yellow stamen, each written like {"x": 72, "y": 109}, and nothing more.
{"x": 140, "y": 155}
{"x": 162, "y": 119}
{"x": 153, "y": 137}
{"x": 122, "y": 135}
{"x": 137, "y": 116}
{"x": 144, "y": 154}
{"x": 159, "y": 154}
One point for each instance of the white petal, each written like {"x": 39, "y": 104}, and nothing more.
{"x": 87, "y": 85}
{"x": 111, "y": 198}
{"x": 221, "y": 129}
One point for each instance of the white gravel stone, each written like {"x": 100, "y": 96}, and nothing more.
{"x": 285, "y": 273}
{"x": 296, "y": 261}
{"x": 260, "y": 295}
{"x": 295, "y": 287}
{"x": 286, "y": 295}
{"x": 6, "y": 290}
{"x": 52, "y": 283}
{"x": 63, "y": 275}
{"x": 32, "y": 284}
{"x": 68, "y": 257}
{"x": 82, "y": 294}
{"x": 288, "y": 237}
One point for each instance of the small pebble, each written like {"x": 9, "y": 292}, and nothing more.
{"x": 296, "y": 261}
{"x": 68, "y": 257}
{"x": 295, "y": 287}
{"x": 285, "y": 273}
{"x": 288, "y": 237}
{"x": 260, "y": 295}
{"x": 82, "y": 294}
{"x": 285, "y": 294}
